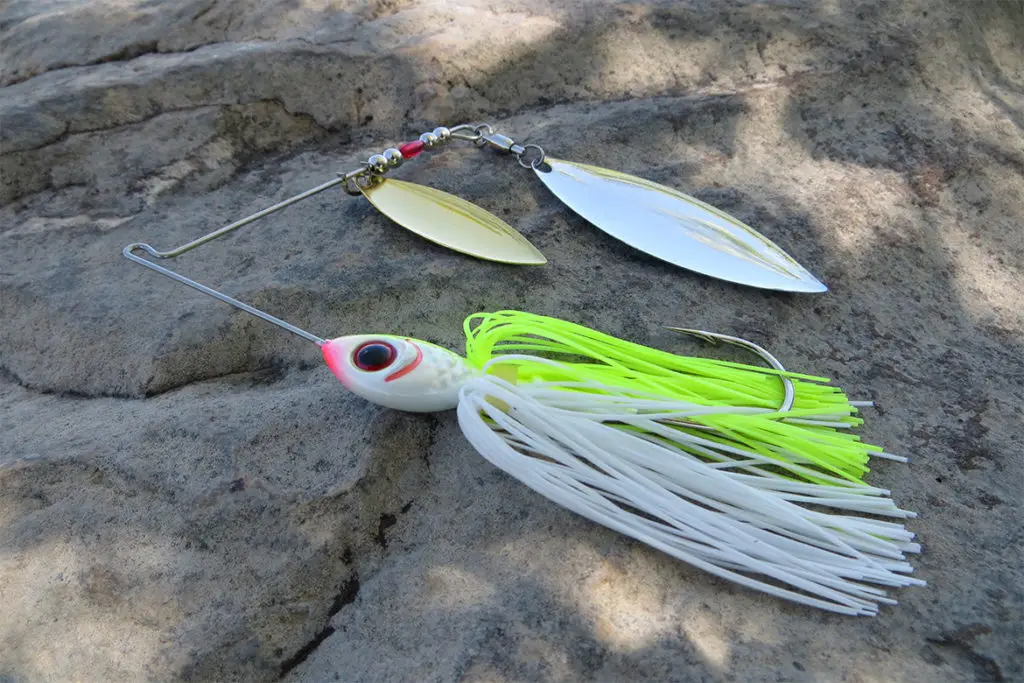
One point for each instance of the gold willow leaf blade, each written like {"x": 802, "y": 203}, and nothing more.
{"x": 675, "y": 227}
{"x": 452, "y": 222}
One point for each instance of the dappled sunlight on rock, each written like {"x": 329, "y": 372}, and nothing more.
{"x": 707, "y": 635}
{"x": 188, "y": 494}
{"x": 451, "y": 587}
{"x": 102, "y": 604}
{"x": 627, "y": 612}
{"x": 989, "y": 284}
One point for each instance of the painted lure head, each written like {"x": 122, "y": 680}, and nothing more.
{"x": 398, "y": 372}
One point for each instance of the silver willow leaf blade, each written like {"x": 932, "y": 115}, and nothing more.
{"x": 675, "y": 227}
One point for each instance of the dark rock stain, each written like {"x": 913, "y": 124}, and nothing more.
{"x": 961, "y": 642}
{"x": 346, "y": 596}
{"x": 386, "y": 522}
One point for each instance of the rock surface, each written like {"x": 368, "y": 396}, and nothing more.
{"x": 186, "y": 494}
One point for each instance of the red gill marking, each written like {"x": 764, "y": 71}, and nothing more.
{"x": 398, "y": 374}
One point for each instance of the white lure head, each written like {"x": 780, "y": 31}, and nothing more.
{"x": 397, "y": 372}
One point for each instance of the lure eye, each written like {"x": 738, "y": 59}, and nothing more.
{"x": 374, "y": 356}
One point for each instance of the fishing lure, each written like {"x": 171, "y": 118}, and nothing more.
{"x": 653, "y": 218}
{"x": 747, "y": 472}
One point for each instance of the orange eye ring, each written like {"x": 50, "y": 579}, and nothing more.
{"x": 374, "y": 356}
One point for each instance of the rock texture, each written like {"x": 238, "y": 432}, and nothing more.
{"x": 186, "y": 494}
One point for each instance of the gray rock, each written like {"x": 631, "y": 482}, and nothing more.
{"x": 187, "y": 494}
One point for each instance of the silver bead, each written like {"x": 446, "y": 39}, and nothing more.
{"x": 378, "y": 164}
{"x": 393, "y": 157}
{"x": 429, "y": 140}
{"x": 443, "y": 134}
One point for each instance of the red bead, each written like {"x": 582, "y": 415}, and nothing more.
{"x": 411, "y": 149}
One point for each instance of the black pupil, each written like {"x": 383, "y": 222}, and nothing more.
{"x": 373, "y": 357}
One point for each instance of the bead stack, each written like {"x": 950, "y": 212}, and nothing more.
{"x": 394, "y": 156}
